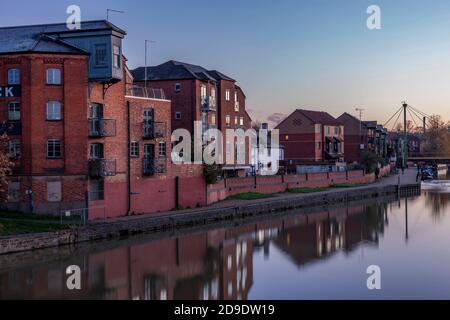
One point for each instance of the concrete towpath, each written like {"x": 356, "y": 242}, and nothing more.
{"x": 407, "y": 178}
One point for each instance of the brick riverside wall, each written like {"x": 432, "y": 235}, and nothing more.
{"x": 277, "y": 184}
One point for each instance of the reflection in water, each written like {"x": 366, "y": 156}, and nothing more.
{"x": 219, "y": 264}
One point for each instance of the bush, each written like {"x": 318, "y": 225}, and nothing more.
{"x": 369, "y": 160}
{"x": 211, "y": 173}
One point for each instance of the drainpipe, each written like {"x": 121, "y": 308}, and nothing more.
{"x": 128, "y": 160}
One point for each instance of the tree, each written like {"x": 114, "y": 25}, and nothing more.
{"x": 369, "y": 160}
{"x": 437, "y": 138}
{"x": 5, "y": 163}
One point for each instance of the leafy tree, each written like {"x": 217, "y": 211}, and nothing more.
{"x": 369, "y": 160}
{"x": 437, "y": 138}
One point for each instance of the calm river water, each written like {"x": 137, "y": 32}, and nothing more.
{"x": 315, "y": 255}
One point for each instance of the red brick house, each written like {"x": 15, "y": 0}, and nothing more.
{"x": 311, "y": 137}
{"x": 80, "y": 138}
{"x": 356, "y": 137}
{"x": 198, "y": 94}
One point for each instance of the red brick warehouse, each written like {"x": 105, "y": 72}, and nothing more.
{"x": 80, "y": 136}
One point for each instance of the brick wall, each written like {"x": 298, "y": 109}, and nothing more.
{"x": 277, "y": 184}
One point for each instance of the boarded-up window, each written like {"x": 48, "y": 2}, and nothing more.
{"x": 14, "y": 191}
{"x": 54, "y": 193}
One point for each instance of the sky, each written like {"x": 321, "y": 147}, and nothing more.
{"x": 288, "y": 54}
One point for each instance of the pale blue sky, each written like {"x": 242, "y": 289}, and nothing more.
{"x": 286, "y": 54}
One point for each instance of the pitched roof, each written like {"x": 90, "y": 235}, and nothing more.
{"x": 351, "y": 117}
{"x": 43, "y": 38}
{"x": 321, "y": 117}
{"x": 175, "y": 70}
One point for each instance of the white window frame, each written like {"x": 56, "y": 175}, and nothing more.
{"x": 54, "y": 76}
{"x": 162, "y": 147}
{"x": 52, "y": 143}
{"x": 117, "y": 63}
{"x": 178, "y": 87}
{"x": 228, "y": 120}
{"x": 54, "y": 111}
{"x": 134, "y": 149}
{"x": 227, "y": 95}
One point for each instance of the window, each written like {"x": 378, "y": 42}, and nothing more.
{"x": 101, "y": 55}
{"x": 236, "y": 120}
{"x": 228, "y": 120}
{"x": 203, "y": 93}
{"x": 177, "y": 115}
{"x": 227, "y": 95}
{"x": 116, "y": 57}
{"x": 15, "y": 149}
{"x": 319, "y": 145}
{"x": 178, "y": 87}
{"x": 96, "y": 151}
{"x": 54, "y": 111}
{"x": 149, "y": 151}
{"x": 213, "y": 119}
{"x": 14, "y": 111}
{"x": 97, "y": 190}
{"x": 54, "y": 193}
{"x": 96, "y": 111}
{"x": 14, "y": 191}
{"x": 134, "y": 149}
{"x": 54, "y": 149}
{"x": 54, "y": 76}
{"x": 162, "y": 150}
{"x": 241, "y": 121}
{"x": 13, "y": 76}
{"x": 213, "y": 97}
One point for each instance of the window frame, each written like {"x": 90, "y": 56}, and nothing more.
{"x": 99, "y": 192}
{"x": 97, "y": 48}
{"x": 228, "y": 120}
{"x": 162, "y": 150}
{"x": 178, "y": 87}
{"x": 227, "y": 95}
{"x": 15, "y": 149}
{"x": 134, "y": 149}
{"x": 17, "y": 75}
{"x": 99, "y": 148}
{"x": 178, "y": 115}
{"x": 15, "y": 103}
{"x": 53, "y": 104}
{"x": 51, "y": 77}
{"x": 54, "y": 156}
{"x": 117, "y": 63}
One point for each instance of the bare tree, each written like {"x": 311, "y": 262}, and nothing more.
{"x": 437, "y": 138}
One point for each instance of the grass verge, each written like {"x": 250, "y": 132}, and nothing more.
{"x": 250, "y": 196}
{"x": 308, "y": 190}
{"x": 8, "y": 228}
{"x": 348, "y": 185}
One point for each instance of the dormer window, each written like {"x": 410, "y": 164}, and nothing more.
{"x": 116, "y": 57}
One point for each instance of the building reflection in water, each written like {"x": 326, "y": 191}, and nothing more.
{"x": 217, "y": 264}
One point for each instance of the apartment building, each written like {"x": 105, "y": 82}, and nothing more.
{"x": 311, "y": 138}
{"x": 198, "y": 94}
{"x": 80, "y": 137}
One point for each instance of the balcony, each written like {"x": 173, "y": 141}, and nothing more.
{"x": 208, "y": 104}
{"x": 11, "y": 128}
{"x": 149, "y": 93}
{"x": 101, "y": 128}
{"x": 151, "y": 167}
{"x": 154, "y": 130}
{"x": 100, "y": 168}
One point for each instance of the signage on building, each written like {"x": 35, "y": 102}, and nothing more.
{"x": 10, "y": 92}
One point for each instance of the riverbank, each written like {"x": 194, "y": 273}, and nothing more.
{"x": 230, "y": 210}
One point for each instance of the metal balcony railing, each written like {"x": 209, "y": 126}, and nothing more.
{"x": 100, "y": 128}
{"x": 154, "y": 130}
{"x": 151, "y": 167}
{"x": 149, "y": 93}
{"x": 100, "y": 168}
{"x": 208, "y": 104}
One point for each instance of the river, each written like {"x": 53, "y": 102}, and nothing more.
{"x": 321, "y": 254}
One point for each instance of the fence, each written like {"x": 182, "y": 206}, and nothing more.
{"x": 80, "y": 216}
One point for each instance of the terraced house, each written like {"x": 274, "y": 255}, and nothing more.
{"x": 82, "y": 138}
